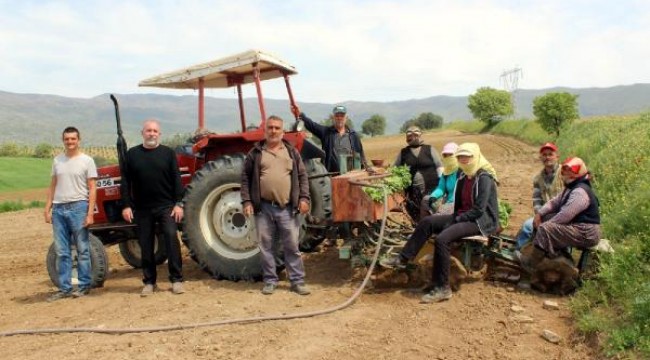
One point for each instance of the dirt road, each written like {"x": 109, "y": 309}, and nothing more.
{"x": 477, "y": 323}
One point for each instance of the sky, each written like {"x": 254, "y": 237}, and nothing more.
{"x": 343, "y": 50}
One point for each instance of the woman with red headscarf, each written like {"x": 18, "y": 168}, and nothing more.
{"x": 575, "y": 217}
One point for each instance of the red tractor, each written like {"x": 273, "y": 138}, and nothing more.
{"x": 219, "y": 237}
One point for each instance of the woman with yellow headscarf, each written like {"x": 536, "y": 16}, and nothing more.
{"x": 475, "y": 213}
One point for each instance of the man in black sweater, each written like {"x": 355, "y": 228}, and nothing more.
{"x": 152, "y": 193}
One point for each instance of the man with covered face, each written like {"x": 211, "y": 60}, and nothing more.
{"x": 425, "y": 166}
{"x": 574, "y": 216}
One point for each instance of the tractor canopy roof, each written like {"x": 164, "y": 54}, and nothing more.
{"x": 225, "y": 72}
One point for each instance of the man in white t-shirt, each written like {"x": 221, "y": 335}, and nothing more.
{"x": 69, "y": 208}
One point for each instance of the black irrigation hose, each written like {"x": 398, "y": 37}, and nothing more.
{"x": 255, "y": 319}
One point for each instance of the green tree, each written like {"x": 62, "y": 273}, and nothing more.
{"x": 425, "y": 121}
{"x": 555, "y": 111}
{"x": 374, "y": 126}
{"x": 177, "y": 140}
{"x": 428, "y": 120}
{"x": 490, "y": 105}
{"x": 407, "y": 124}
{"x": 43, "y": 151}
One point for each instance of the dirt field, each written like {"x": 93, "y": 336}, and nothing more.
{"x": 477, "y": 323}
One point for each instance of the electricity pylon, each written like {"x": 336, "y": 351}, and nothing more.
{"x": 510, "y": 80}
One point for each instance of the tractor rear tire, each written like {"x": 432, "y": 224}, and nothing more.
{"x": 320, "y": 192}
{"x": 132, "y": 254}
{"x": 219, "y": 237}
{"x": 98, "y": 261}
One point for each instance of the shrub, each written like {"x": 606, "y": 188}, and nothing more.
{"x": 8, "y": 206}
{"x": 43, "y": 151}
{"x": 10, "y": 149}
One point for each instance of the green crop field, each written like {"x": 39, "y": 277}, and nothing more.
{"x": 22, "y": 173}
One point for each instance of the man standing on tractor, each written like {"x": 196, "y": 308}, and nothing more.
{"x": 152, "y": 192}
{"x": 337, "y": 140}
{"x": 546, "y": 185}
{"x": 275, "y": 188}
{"x": 69, "y": 208}
{"x": 425, "y": 167}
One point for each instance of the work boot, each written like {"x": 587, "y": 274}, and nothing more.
{"x": 80, "y": 292}
{"x": 147, "y": 290}
{"x": 177, "y": 288}
{"x": 437, "y": 294}
{"x": 269, "y": 288}
{"x": 394, "y": 261}
{"x": 530, "y": 262}
{"x": 58, "y": 296}
{"x": 300, "y": 289}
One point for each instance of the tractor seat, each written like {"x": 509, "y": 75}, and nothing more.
{"x": 603, "y": 246}
{"x": 480, "y": 239}
{"x": 483, "y": 240}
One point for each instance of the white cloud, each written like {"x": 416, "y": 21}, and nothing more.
{"x": 364, "y": 50}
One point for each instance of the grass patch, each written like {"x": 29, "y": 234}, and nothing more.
{"x": 525, "y": 130}
{"x": 466, "y": 126}
{"x": 8, "y": 206}
{"x": 22, "y": 173}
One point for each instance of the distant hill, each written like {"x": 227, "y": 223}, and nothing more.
{"x": 35, "y": 118}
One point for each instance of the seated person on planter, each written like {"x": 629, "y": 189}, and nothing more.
{"x": 446, "y": 185}
{"x": 546, "y": 185}
{"x": 475, "y": 212}
{"x": 576, "y": 222}
{"x": 425, "y": 167}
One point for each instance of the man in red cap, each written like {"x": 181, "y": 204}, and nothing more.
{"x": 575, "y": 216}
{"x": 546, "y": 184}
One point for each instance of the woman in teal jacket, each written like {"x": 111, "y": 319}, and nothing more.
{"x": 446, "y": 184}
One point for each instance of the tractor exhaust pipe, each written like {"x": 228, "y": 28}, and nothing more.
{"x": 121, "y": 143}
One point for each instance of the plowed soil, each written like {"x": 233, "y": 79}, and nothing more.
{"x": 477, "y": 323}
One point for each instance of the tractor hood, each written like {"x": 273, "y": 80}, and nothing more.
{"x": 223, "y": 73}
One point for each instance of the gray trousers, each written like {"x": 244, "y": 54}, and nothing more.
{"x": 274, "y": 222}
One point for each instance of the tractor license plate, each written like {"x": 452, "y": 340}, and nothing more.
{"x": 102, "y": 183}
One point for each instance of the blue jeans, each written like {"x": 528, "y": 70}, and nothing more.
{"x": 525, "y": 233}
{"x": 68, "y": 227}
{"x": 273, "y": 222}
